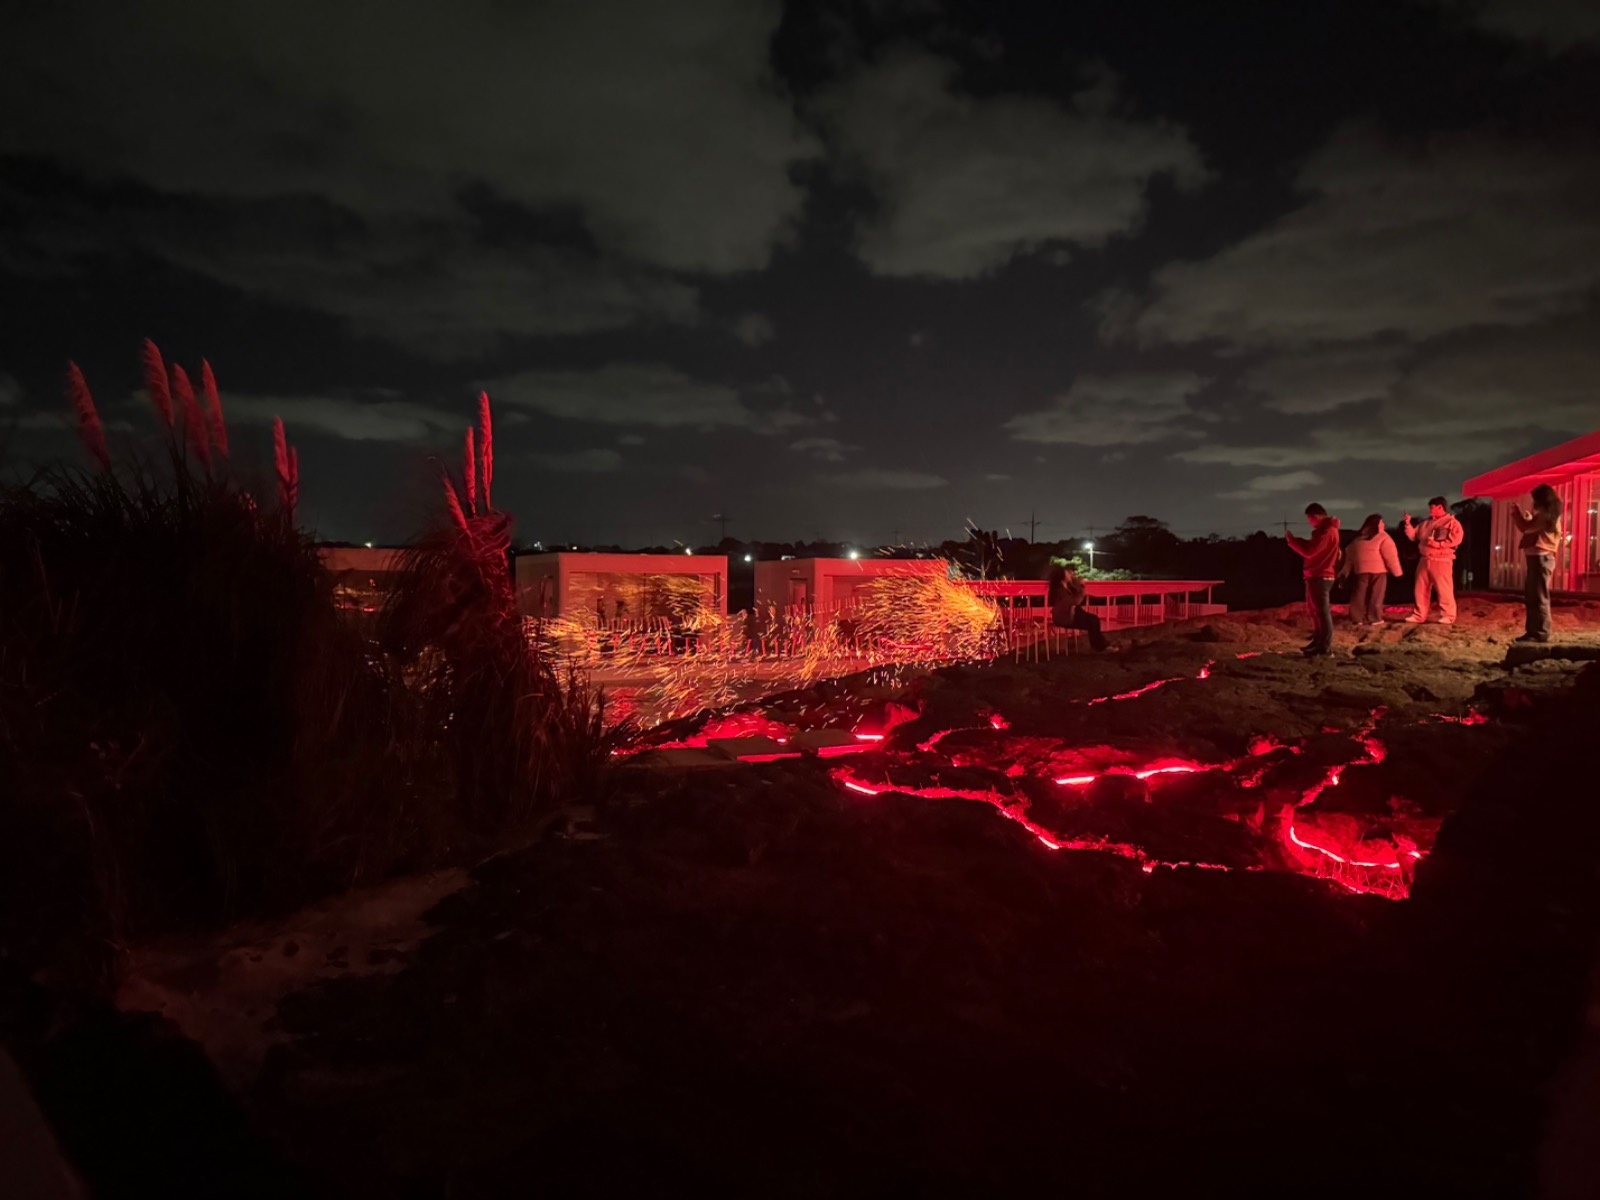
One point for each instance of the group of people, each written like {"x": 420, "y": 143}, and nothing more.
{"x": 1371, "y": 559}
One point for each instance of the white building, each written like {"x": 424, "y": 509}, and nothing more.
{"x": 620, "y": 587}
{"x": 829, "y": 584}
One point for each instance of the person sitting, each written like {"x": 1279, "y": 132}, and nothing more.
{"x": 1541, "y": 542}
{"x": 1369, "y": 562}
{"x": 1066, "y": 598}
{"x": 1436, "y": 539}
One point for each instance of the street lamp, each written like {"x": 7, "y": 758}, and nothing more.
{"x": 1089, "y": 546}
{"x": 854, "y": 554}
{"x": 749, "y": 558}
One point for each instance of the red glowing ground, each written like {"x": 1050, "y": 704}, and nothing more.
{"x": 1291, "y": 837}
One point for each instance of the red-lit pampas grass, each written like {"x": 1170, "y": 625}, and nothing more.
{"x": 155, "y": 382}
{"x": 194, "y": 425}
{"x": 88, "y": 417}
{"x": 486, "y": 422}
{"x": 471, "y": 475}
{"x": 286, "y": 462}
{"x": 219, "y": 427}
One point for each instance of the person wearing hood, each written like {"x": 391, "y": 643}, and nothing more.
{"x": 1436, "y": 539}
{"x": 1321, "y": 554}
{"x": 1369, "y": 562}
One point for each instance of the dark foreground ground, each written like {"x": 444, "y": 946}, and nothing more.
{"x": 754, "y": 980}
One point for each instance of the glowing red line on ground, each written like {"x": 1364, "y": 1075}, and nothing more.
{"x": 869, "y": 737}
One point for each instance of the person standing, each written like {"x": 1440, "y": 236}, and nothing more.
{"x": 1321, "y": 552}
{"x": 1541, "y": 542}
{"x": 1369, "y": 562}
{"x": 1436, "y": 539}
{"x": 1067, "y": 608}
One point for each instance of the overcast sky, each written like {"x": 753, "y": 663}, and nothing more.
{"x": 855, "y": 270}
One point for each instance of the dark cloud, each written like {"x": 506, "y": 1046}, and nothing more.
{"x": 1041, "y": 262}
{"x": 886, "y": 479}
{"x": 1553, "y": 24}
{"x": 1114, "y": 410}
{"x": 963, "y": 184}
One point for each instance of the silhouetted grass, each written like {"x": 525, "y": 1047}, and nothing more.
{"x": 191, "y": 732}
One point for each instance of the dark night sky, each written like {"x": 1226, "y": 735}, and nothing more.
{"x": 845, "y": 269}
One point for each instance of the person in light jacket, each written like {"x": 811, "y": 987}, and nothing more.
{"x": 1541, "y": 542}
{"x": 1436, "y": 539}
{"x": 1321, "y": 554}
{"x": 1369, "y": 562}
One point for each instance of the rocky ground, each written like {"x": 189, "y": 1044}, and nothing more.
{"x": 1196, "y": 912}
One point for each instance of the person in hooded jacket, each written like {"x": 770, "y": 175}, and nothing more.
{"x": 1321, "y": 554}
{"x": 1369, "y": 563}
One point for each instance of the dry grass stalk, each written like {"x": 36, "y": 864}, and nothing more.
{"x": 219, "y": 427}
{"x": 87, "y": 416}
{"x": 486, "y": 423}
{"x": 470, "y": 473}
{"x": 286, "y": 463}
{"x": 155, "y": 382}
{"x": 194, "y": 426}
{"x": 453, "y": 503}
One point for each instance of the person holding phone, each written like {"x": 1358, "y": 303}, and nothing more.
{"x": 1541, "y": 542}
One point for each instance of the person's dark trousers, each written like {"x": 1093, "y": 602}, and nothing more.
{"x": 1318, "y": 592}
{"x": 1537, "y": 595}
{"x": 1085, "y": 620}
{"x": 1367, "y": 592}
{"x": 1082, "y": 618}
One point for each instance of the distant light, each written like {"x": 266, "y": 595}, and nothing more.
{"x": 1088, "y": 545}
{"x": 1497, "y": 547}
{"x": 854, "y": 554}
{"x": 687, "y": 550}
{"x": 749, "y": 558}
{"x": 369, "y": 545}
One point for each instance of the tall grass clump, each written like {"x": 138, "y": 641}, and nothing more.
{"x": 190, "y": 729}
{"x": 519, "y": 733}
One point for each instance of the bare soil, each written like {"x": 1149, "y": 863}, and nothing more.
{"x": 754, "y": 979}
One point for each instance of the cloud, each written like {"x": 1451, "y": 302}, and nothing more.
{"x": 1263, "y": 486}
{"x": 996, "y": 478}
{"x": 825, "y": 448}
{"x": 885, "y": 479}
{"x": 1470, "y": 231}
{"x": 630, "y": 439}
{"x": 754, "y": 329}
{"x": 1324, "y": 378}
{"x": 963, "y": 184}
{"x": 354, "y": 418}
{"x": 1554, "y": 24}
{"x": 660, "y": 126}
{"x": 1113, "y": 410}
{"x": 432, "y": 288}
{"x": 580, "y": 461}
{"x": 651, "y": 395}
{"x": 1472, "y": 402}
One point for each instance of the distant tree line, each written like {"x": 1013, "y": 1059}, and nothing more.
{"x": 1257, "y": 570}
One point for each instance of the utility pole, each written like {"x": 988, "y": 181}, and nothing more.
{"x": 721, "y": 518}
{"x": 1033, "y": 525}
